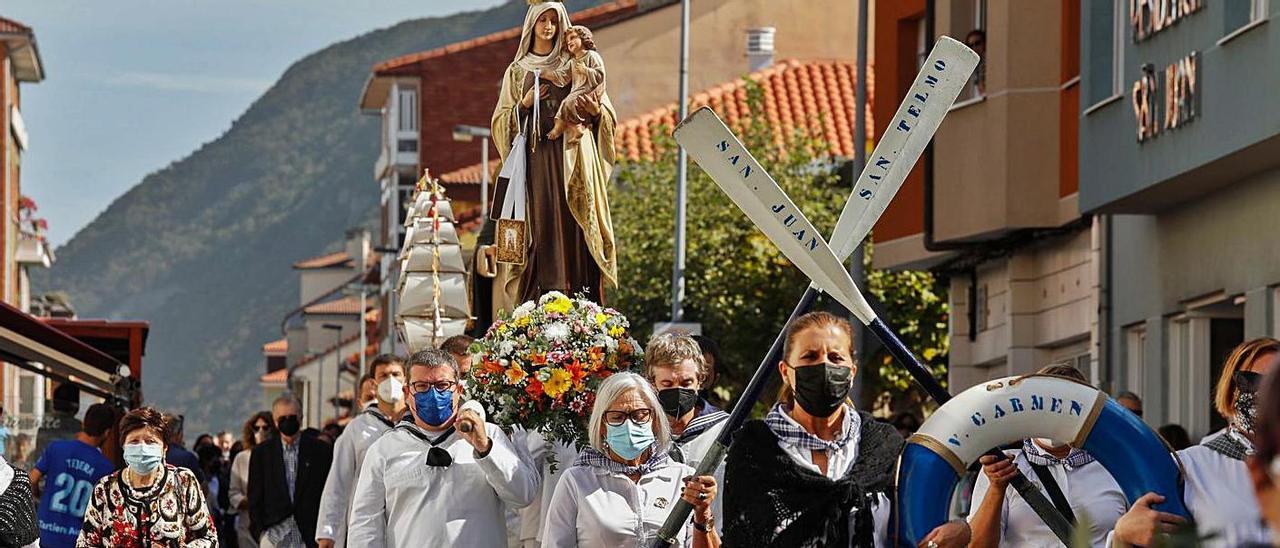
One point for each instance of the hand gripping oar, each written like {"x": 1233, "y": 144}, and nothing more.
{"x": 724, "y": 158}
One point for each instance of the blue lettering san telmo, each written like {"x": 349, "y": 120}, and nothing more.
{"x": 904, "y": 125}
{"x": 1036, "y": 403}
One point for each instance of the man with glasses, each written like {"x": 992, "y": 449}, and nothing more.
{"x": 286, "y": 480}
{"x": 442, "y": 479}
{"x": 351, "y": 446}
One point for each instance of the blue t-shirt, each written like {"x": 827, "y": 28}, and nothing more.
{"x": 71, "y": 469}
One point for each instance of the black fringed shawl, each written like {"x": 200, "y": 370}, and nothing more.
{"x": 769, "y": 500}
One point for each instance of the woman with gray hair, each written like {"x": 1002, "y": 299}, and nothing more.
{"x": 621, "y": 488}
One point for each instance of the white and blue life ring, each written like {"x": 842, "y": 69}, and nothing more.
{"x": 1007, "y": 410}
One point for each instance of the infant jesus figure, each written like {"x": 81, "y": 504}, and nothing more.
{"x": 587, "y": 70}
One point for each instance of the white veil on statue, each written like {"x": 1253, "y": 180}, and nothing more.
{"x": 555, "y": 65}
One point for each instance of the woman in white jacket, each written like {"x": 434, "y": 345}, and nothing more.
{"x": 257, "y": 429}
{"x": 620, "y": 490}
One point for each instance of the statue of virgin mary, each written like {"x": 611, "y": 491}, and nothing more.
{"x": 570, "y": 234}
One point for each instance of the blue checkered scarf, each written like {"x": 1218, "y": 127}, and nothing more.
{"x": 1035, "y": 455}
{"x": 594, "y": 458}
{"x": 788, "y": 431}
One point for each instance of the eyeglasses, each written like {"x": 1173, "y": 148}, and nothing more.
{"x": 638, "y": 416}
{"x": 1247, "y": 381}
{"x": 442, "y": 386}
{"x": 263, "y": 428}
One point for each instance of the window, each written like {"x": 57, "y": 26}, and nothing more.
{"x": 1239, "y": 13}
{"x": 969, "y": 20}
{"x": 408, "y": 108}
{"x": 1106, "y": 49}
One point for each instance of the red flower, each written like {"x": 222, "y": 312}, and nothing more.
{"x": 491, "y": 366}
{"x": 577, "y": 373}
{"x": 534, "y": 389}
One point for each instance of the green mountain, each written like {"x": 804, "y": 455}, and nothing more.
{"x": 203, "y": 248}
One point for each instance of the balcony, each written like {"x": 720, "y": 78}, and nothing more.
{"x": 33, "y": 250}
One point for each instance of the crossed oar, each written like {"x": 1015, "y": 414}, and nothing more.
{"x": 723, "y": 157}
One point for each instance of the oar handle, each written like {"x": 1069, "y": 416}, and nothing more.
{"x": 741, "y": 410}
{"x": 1029, "y": 492}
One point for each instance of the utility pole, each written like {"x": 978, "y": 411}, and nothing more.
{"x": 682, "y": 168}
{"x": 859, "y": 160}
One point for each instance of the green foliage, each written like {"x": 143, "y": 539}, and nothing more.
{"x": 914, "y": 303}
{"x": 738, "y": 285}
{"x": 203, "y": 247}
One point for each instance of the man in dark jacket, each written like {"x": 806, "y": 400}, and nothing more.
{"x": 177, "y": 453}
{"x": 293, "y": 465}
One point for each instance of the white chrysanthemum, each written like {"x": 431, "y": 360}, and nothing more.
{"x": 505, "y": 348}
{"x": 551, "y": 296}
{"x": 523, "y": 310}
{"x": 610, "y": 344}
{"x": 556, "y": 331}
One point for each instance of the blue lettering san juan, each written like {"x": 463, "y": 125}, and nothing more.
{"x": 1056, "y": 406}
{"x": 735, "y": 156}
{"x": 904, "y": 125}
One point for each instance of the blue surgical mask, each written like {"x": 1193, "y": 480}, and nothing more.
{"x": 433, "y": 406}
{"x": 143, "y": 458}
{"x": 629, "y": 439}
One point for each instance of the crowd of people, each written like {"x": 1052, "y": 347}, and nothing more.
{"x": 418, "y": 465}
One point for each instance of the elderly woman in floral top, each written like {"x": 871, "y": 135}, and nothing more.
{"x": 148, "y": 503}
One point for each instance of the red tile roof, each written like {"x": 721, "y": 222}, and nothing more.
{"x": 471, "y": 174}
{"x": 277, "y": 346}
{"x": 604, "y": 14}
{"x": 11, "y": 26}
{"x": 278, "y": 376}
{"x": 813, "y": 95}
{"x": 345, "y": 305}
{"x": 340, "y": 258}
{"x": 817, "y": 95}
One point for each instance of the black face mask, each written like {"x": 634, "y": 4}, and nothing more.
{"x": 676, "y": 402}
{"x": 289, "y": 425}
{"x": 822, "y": 387}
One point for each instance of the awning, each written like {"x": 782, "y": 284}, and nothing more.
{"x": 30, "y": 344}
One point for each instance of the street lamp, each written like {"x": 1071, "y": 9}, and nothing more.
{"x": 337, "y": 380}
{"x": 464, "y": 133}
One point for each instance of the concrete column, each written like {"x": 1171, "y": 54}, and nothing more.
{"x": 1154, "y": 386}
{"x": 1259, "y": 313}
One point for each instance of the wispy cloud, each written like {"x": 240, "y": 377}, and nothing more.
{"x": 198, "y": 83}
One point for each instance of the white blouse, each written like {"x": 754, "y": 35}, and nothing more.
{"x": 840, "y": 463}
{"x": 401, "y": 502}
{"x": 1219, "y": 494}
{"x": 600, "y": 509}
{"x": 534, "y": 448}
{"x": 1090, "y": 489}
{"x": 340, "y": 486}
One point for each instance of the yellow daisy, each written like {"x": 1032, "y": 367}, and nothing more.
{"x": 559, "y": 383}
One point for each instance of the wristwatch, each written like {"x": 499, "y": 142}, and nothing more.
{"x": 704, "y": 527}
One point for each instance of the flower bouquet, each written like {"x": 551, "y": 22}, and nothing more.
{"x": 539, "y": 368}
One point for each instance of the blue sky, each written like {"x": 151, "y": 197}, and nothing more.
{"x": 134, "y": 85}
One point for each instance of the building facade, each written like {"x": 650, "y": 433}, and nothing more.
{"x": 330, "y": 335}
{"x": 993, "y": 206}
{"x": 1180, "y": 157}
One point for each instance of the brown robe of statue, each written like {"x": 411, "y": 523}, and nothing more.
{"x": 558, "y": 257}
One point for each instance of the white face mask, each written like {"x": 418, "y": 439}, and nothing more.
{"x": 391, "y": 390}
{"x": 260, "y": 436}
